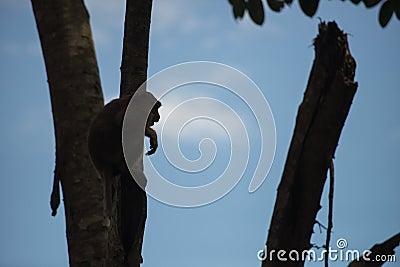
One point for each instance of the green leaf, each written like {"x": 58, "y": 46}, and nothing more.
{"x": 238, "y": 11}
{"x": 239, "y": 7}
{"x": 371, "y": 3}
{"x": 385, "y": 13}
{"x": 235, "y": 2}
{"x": 275, "y": 5}
{"x": 309, "y": 7}
{"x": 256, "y": 11}
{"x": 396, "y": 8}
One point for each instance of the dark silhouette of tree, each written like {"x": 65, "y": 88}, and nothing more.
{"x": 379, "y": 251}
{"x": 320, "y": 119}
{"x": 76, "y": 97}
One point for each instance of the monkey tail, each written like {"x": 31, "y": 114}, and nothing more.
{"x": 55, "y": 193}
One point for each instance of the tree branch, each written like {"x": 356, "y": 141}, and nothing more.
{"x": 330, "y": 211}
{"x": 319, "y": 122}
{"x": 385, "y": 248}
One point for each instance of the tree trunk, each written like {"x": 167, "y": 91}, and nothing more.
{"x": 131, "y": 212}
{"x": 76, "y": 97}
{"x": 320, "y": 120}
{"x": 136, "y": 45}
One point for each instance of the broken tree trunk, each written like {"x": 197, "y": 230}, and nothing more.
{"x": 319, "y": 122}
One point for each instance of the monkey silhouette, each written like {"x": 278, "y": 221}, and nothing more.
{"x": 107, "y": 154}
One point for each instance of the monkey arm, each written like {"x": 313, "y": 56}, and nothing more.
{"x": 150, "y": 133}
{"x": 153, "y": 117}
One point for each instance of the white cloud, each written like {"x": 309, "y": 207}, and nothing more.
{"x": 33, "y": 123}
{"x": 14, "y": 48}
{"x": 175, "y": 20}
{"x": 185, "y": 18}
{"x": 102, "y": 36}
{"x": 107, "y": 19}
{"x": 15, "y": 3}
{"x": 180, "y": 16}
{"x": 165, "y": 15}
{"x": 107, "y": 9}
{"x": 394, "y": 135}
{"x": 214, "y": 119}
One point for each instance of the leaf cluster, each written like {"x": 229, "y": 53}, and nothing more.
{"x": 255, "y": 8}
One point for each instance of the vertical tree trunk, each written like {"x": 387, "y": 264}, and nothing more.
{"x": 319, "y": 122}
{"x": 76, "y": 97}
{"x": 136, "y": 45}
{"x": 132, "y": 200}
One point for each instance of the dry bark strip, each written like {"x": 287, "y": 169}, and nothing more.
{"x": 319, "y": 122}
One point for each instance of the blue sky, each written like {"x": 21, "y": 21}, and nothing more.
{"x": 278, "y": 58}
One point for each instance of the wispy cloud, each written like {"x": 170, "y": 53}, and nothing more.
{"x": 110, "y": 12}
{"x": 184, "y": 18}
{"x": 167, "y": 14}
{"x": 181, "y": 16}
{"x": 14, "y": 48}
{"x": 107, "y": 20}
{"x": 192, "y": 118}
{"x": 174, "y": 20}
{"x": 394, "y": 135}
{"x": 14, "y": 3}
{"x": 36, "y": 122}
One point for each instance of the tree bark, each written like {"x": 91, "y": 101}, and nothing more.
{"x": 76, "y": 97}
{"x": 319, "y": 122}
